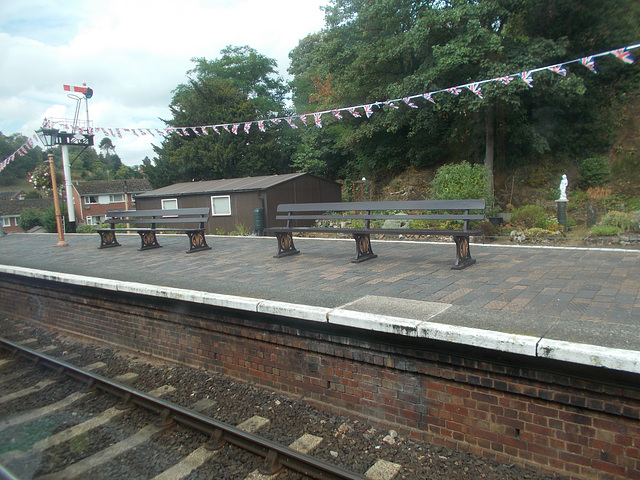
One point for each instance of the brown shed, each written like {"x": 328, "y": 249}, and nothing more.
{"x": 234, "y": 201}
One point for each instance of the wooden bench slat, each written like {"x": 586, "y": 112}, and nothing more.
{"x": 383, "y": 217}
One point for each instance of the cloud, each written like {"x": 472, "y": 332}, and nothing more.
{"x": 132, "y": 53}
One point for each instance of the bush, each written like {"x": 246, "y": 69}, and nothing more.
{"x": 49, "y": 219}
{"x": 627, "y": 222}
{"x": 593, "y": 171}
{"x": 458, "y": 181}
{"x": 604, "y": 230}
{"x": 29, "y": 218}
{"x": 529, "y": 216}
{"x": 87, "y": 228}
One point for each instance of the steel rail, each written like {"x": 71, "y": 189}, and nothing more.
{"x": 276, "y": 456}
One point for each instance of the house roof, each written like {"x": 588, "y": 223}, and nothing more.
{"x": 223, "y": 186}
{"x": 15, "y": 207}
{"x": 98, "y": 187}
{"x": 11, "y": 194}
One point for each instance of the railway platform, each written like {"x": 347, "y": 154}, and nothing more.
{"x": 569, "y": 303}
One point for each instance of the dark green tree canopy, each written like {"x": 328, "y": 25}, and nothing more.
{"x": 240, "y": 86}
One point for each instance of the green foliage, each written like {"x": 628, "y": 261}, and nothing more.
{"x": 459, "y": 181}
{"x": 49, "y": 219}
{"x": 242, "y": 230}
{"x": 593, "y": 171}
{"x": 30, "y": 217}
{"x": 626, "y": 222}
{"x": 87, "y": 228}
{"x": 239, "y": 86}
{"x": 530, "y": 216}
{"x": 17, "y": 169}
{"x": 605, "y": 230}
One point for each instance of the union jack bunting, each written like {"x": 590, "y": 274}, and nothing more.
{"x": 317, "y": 118}
{"x": 133, "y": 130}
{"x": 353, "y": 112}
{"x": 234, "y": 128}
{"x": 427, "y": 96}
{"x": 368, "y": 110}
{"x": 247, "y": 127}
{"x": 408, "y": 101}
{"x": 527, "y": 77}
{"x": 118, "y": 132}
{"x": 304, "y": 119}
{"x": 475, "y": 88}
{"x": 204, "y": 130}
{"x": 215, "y": 129}
{"x": 226, "y": 127}
{"x": 290, "y": 122}
{"x": 391, "y": 104}
{"x": 590, "y": 63}
{"x": 276, "y": 121}
{"x": 505, "y": 80}
{"x": 337, "y": 114}
{"x": 113, "y": 134}
{"x": 261, "y": 126}
{"x": 624, "y": 55}
{"x": 559, "y": 69}
{"x": 454, "y": 90}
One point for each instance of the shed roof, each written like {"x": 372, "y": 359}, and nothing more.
{"x": 223, "y": 186}
{"x": 97, "y": 187}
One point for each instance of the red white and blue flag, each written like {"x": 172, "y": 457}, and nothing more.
{"x": 261, "y": 126}
{"x": 234, "y": 129}
{"x": 368, "y": 110}
{"x": 590, "y": 63}
{"x": 454, "y": 90}
{"x": 290, "y": 122}
{"x": 427, "y": 96}
{"x": 624, "y": 55}
{"x": 527, "y": 77}
{"x": 505, "y": 80}
{"x": 353, "y": 112}
{"x": 317, "y": 118}
{"x": 475, "y": 88}
{"x": 559, "y": 69}
{"x": 337, "y": 114}
{"x": 247, "y": 127}
{"x": 408, "y": 101}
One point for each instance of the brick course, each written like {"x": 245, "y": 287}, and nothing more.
{"x": 580, "y": 424}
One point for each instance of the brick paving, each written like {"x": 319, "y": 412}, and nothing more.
{"x": 583, "y": 295}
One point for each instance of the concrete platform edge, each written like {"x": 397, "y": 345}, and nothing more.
{"x": 585, "y": 354}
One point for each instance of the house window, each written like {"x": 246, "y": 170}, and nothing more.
{"x": 116, "y": 198}
{"x": 90, "y": 199}
{"x": 221, "y": 205}
{"x": 6, "y": 221}
{"x": 94, "y": 220}
{"x": 169, "y": 204}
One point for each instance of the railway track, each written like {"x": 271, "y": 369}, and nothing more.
{"x": 146, "y": 421}
{"x": 51, "y": 422}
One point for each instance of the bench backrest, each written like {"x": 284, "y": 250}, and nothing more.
{"x": 432, "y": 210}
{"x": 152, "y": 217}
{"x": 476, "y": 204}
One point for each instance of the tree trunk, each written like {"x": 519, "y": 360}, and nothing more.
{"x": 490, "y": 144}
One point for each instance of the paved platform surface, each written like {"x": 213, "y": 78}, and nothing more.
{"x": 579, "y": 295}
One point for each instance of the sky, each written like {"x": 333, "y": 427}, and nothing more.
{"x": 131, "y": 53}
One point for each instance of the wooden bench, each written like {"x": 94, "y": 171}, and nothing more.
{"x": 146, "y": 222}
{"x": 461, "y": 210}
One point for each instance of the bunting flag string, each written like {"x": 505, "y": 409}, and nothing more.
{"x": 623, "y": 54}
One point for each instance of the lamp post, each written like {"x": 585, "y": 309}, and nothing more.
{"x": 56, "y": 204}
{"x": 49, "y": 136}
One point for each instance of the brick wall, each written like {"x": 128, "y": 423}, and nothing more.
{"x": 580, "y": 423}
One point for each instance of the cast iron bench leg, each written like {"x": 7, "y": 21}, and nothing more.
{"x": 197, "y": 241}
{"x": 108, "y": 239}
{"x": 285, "y": 245}
{"x": 463, "y": 254}
{"x": 149, "y": 240}
{"x": 363, "y": 248}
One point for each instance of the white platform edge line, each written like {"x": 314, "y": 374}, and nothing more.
{"x": 585, "y": 354}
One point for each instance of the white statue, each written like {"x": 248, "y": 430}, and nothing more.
{"x": 563, "y": 187}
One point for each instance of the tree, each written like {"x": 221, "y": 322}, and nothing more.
{"x": 375, "y": 50}
{"x": 238, "y": 88}
{"x": 17, "y": 169}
